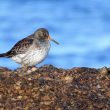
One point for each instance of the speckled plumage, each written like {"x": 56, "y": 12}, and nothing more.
{"x": 31, "y": 50}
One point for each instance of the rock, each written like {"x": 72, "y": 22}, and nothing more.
{"x": 51, "y": 88}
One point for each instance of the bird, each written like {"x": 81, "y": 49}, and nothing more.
{"x": 32, "y": 49}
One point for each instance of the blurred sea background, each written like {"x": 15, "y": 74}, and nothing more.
{"x": 82, "y": 27}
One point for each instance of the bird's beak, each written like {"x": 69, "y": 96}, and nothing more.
{"x": 53, "y": 40}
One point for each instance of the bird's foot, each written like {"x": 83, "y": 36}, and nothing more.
{"x": 25, "y": 70}
{"x": 31, "y": 69}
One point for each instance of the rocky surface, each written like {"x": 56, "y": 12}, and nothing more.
{"x": 51, "y": 88}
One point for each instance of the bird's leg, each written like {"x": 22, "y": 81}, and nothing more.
{"x": 24, "y": 68}
{"x": 23, "y": 71}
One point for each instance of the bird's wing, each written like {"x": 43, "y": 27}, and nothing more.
{"x": 21, "y": 46}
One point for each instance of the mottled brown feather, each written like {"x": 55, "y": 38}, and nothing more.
{"x": 21, "y": 46}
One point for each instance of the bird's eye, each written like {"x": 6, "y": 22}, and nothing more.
{"x": 44, "y": 34}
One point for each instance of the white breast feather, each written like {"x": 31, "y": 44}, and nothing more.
{"x": 32, "y": 56}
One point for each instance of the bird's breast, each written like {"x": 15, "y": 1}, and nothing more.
{"x": 34, "y": 55}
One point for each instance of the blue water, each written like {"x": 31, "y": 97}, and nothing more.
{"x": 82, "y": 28}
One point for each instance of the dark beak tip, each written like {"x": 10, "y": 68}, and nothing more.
{"x": 55, "y": 41}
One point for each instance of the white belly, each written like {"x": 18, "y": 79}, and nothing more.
{"x": 32, "y": 57}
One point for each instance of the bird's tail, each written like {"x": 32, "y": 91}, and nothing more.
{"x": 3, "y": 55}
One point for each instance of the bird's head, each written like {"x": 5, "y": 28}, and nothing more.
{"x": 42, "y": 34}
